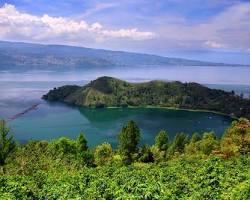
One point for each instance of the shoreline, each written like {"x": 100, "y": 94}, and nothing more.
{"x": 158, "y": 107}
{"x": 179, "y": 109}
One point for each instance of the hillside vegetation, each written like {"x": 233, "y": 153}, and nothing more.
{"x": 200, "y": 167}
{"x": 112, "y": 92}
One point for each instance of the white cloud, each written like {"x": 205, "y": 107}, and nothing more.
{"x": 213, "y": 44}
{"x": 126, "y": 33}
{"x": 228, "y": 30}
{"x": 19, "y": 25}
{"x": 97, "y": 8}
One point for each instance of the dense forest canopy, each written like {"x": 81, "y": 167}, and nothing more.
{"x": 197, "y": 167}
{"x": 112, "y": 92}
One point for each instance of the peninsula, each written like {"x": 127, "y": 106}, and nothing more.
{"x": 112, "y": 92}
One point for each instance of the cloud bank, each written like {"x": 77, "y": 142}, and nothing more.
{"x": 156, "y": 28}
{"x": 24, "y": 26}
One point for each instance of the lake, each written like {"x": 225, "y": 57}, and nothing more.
{"x": 51, "y": 120}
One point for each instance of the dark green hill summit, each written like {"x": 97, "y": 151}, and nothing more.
{"x": 112, "y": 92}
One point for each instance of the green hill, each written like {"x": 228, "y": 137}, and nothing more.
{"x": 112, "y": 92}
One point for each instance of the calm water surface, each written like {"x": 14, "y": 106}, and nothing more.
{"x": 21, "y": 90}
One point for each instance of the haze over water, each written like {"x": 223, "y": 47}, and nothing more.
{"x": 204, "y": 75}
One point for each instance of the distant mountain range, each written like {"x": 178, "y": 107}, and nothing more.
{"x": 27, "y": 56}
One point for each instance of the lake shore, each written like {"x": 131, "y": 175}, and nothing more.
{"x": 181, "y": 109}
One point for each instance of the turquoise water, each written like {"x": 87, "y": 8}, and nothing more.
{"x": 19, "y": 91}
{"x": 52, "y": 120}
{"x": 99, "y": 125}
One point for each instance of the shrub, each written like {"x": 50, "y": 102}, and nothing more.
{"x": 208, "y": 143}
{"x": 236, "y": 139}
{"x": 103, "y": 154}
{"x": 145, "y": 154}
{"x": 63, "y": 146}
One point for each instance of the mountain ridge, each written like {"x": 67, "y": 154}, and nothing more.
{"x": 30, "y": 56}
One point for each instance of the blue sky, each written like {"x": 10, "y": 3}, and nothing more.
{"x": 216, "y": 30}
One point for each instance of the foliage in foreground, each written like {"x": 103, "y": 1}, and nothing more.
{"x": 200, "y": 167}
{"x": 212, "y": 178}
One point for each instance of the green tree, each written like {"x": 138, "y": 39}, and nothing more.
{"x": 7, "y": 144}
{"x": 161, "y": 140}
{"x": 208, "y": 143}
{"x": 103, "y": 154}
{"x": 87, "y": 157}
{"x": 81, "y": 143}
{"x": 145, "y": 154}
{"x": 128, "y": 140}
{"x": 178, "y": 145}
{"x": 195, "y": 137}
{"x": 63, "y": 146}
{"x": 236, "y": 139}
{"x": 193, "y": 146}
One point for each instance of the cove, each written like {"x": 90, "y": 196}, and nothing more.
{"x": 53, "y": 120}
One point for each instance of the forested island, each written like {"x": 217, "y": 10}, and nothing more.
{"x": 196, "y": 167}
{"x": 112, "y": 92}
